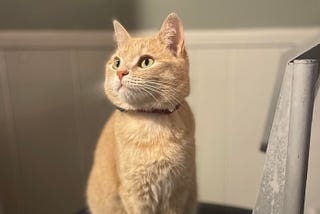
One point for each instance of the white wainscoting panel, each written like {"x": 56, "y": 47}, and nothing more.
{"x": 207, "y": 100}
{"x": 231, "y": 96}
{"x": 52, "y": 109}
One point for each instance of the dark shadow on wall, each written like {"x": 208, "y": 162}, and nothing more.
{"x": 126, "y": 13}
{"x": 66, "y": 15}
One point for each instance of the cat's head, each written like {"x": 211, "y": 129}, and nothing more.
{"x": 148, "y": 73}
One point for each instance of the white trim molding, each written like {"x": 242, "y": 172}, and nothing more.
{"x": 194, "y": 38}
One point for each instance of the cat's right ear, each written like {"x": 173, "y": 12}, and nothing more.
{"x": 171, "y": 33}
{"x": 120, "y": 33}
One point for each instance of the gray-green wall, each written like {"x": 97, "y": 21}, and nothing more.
{"x": 142, "y": 14}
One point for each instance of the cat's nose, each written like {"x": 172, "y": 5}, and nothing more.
{"x": 121, "y": 74}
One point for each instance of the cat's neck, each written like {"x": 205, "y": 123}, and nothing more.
{"x": 151, "y": 111}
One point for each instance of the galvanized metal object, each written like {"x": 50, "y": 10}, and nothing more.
{"x": 282, "y": 189}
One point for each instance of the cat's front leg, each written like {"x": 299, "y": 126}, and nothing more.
{"x": 137, "y": 200}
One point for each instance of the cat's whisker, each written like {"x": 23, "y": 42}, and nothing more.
{"x": 166, "y": 97}
{"x": 161, "y": 83}
{"x": 150, "y": 94}
{"x": 141, "y": 89}
{"x": 155, "y": 82}
{"x": 167, "y": 87}
{"x": 169, "y": 92}
{"x": 154, "y": 89}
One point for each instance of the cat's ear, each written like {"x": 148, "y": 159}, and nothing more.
{"x": 120, "y": 33}
{"x": 171, "y": 34}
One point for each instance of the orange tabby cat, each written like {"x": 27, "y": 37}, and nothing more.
{"x": 145, "y": 159}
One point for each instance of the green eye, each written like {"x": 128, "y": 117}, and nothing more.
{"x": 116, "y": 63}
{"x": 146, "y": 62}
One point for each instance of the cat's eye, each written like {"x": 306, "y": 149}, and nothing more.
{"x": 116, "y": 63}
{"x": 145, "y": 62}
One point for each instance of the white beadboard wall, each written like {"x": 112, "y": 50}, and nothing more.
{"x": 52, "y": 108}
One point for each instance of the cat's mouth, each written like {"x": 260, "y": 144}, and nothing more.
{"x": 121, "y": 86}
{"x": 123, "y": 89}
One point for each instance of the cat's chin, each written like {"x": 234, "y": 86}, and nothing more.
{"x": 126, "y": 95}
{"x": 131, "y": 97}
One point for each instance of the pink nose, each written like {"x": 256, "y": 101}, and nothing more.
{"x": 121, "y": 74}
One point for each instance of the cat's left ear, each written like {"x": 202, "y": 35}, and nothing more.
{"x": 171, "y": 34}
{"x": 120, "y": 33}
